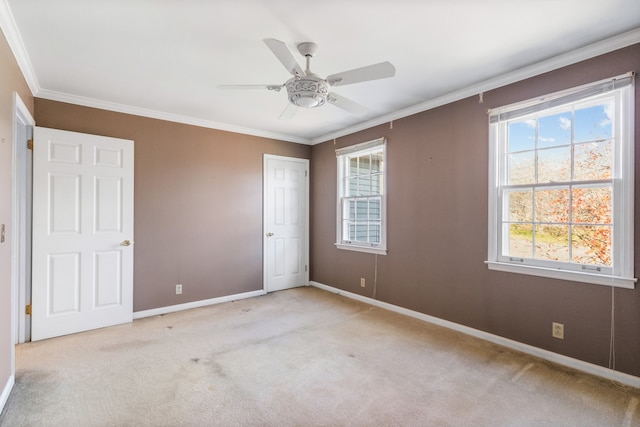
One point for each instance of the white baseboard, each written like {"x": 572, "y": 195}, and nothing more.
{"x": 560, "y": 359}
{"x": 6, "y": 392}
{"x": 196, "y": 304}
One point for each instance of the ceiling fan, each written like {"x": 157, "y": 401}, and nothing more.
{"x": 308, "y": 90}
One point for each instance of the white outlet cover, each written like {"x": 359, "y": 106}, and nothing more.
{"x": 557, "y": 330}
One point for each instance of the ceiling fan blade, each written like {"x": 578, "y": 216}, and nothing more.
{"x": 289, "y": 111}
{"x": 370, "y": 72}
{"x": 282, "y": 52}
{"x": 269, "y": 87}
{"x": 346, "y": 104}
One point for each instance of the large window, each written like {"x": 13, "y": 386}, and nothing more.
{"x": 561, "y": 185}
{"x": 361, "y": 222}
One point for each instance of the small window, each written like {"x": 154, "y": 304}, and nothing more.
{"x": 561, "y": 185}
{"x": 361, "y": 222}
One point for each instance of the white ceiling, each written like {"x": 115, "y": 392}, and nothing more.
{"x": 165, "y": 58}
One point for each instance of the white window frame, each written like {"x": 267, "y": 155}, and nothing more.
{"x": 342, "y": 155}
{"x": 621, "y": 273}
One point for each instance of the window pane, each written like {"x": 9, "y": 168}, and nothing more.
{"x": 353, "y": 166}
{"x": 365, "y": 165}
{"x": 351, "y": 231}
{"x": 520, "y": 206}
{"x": 376, "y": 184}
{"x": 593, "y": 123}
{"x": 552, "y": 242}
{"x": 591, "y": 245}
{"x": 361, "y": 232}
{"x": 361, "y": 210}
{"x": 376, "y": 162}
{"x": 521, "y": 168}
{"x": 592, "y": 160}
{"x": 554, "y": 165}
{"x": 552, "y": 205}
{"x": 352, "y": 189}
{"x": 522, "y": 136}
{"x": 554, "y": 130}
{"x": 374, "y": 233}
{"x": 591, "y": 205}
{"x": 364, "y": 186}
{"x": 520, "y": 240}
{"x": 374, "y": 209}
{"x": 351, "y": 210}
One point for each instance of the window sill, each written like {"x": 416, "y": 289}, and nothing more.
{"x": 367, "y": 249}
{"x": 575, "y": 276}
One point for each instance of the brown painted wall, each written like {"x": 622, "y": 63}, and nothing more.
{"x": 437, "y": 230}
{"x": 11, "y": 81}
{"x": 198, "y": 202}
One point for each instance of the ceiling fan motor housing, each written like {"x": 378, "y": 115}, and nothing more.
{"x": 308, "y": 91}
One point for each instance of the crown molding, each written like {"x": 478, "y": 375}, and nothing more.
{"x": 9, "y": 28}
{"x": 10, "y": 31}
{"x": 160, "y": 115}
{"x": 587, "y": 52}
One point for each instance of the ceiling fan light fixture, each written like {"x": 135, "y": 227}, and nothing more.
{"x": 308, "y": 92}
{"x": 307, "y": 101}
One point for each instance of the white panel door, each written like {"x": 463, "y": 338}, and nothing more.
{"x": 286, "y": 223}
{"x": 82, "y": 258}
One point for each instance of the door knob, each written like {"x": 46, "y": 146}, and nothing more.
{"x": 126, "y": 243}
{"x": 269, "y": 234}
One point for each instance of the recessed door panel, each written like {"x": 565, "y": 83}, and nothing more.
{"x": 279, "y": 259}
{"x": 294, "y": 206}
{"x": 64, "y": 283}
{"x": 279, "y": 206}
{"x": 108, "y": 278}
{"x": 64, "y": 203}
{"x": 293, "y": 248}
{"x": 108, "y": 204}
{"x": 108, "y": 157}
{"x": 64, "y": 152}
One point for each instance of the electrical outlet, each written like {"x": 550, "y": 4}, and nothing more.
{"x": 362, "y": 282}
{"x": 557, "y": 330}
{"x": 178, "y": 289}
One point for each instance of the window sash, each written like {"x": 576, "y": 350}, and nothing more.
{"x": 569, "y": 252}
{"x": 371, "y": 223}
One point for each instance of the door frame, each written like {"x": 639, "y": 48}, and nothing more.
{"x": 19, "y": 193}
{"x": 265, "y": 176}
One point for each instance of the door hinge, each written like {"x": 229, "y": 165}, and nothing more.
{"x": 305, "y": 173}
{"x": 27, "y": 310}
{"x": 305, "y": 268}
{"x": 30, "y": 144}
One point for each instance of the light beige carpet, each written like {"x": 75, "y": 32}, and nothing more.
{"x": 302, "y": 357}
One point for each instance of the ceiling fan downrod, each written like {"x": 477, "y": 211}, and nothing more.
{"x": 308, "y": 91}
